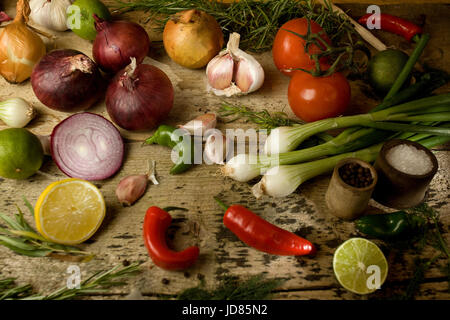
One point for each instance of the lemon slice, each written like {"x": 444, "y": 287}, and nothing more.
{"x": 360, "y": 266}
{"x": 69, "y": 211}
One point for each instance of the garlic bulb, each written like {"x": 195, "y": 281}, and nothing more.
{"x": 16, "y": 112}
{"x": 50, "y": 14}
{"x": 233, "y": 71}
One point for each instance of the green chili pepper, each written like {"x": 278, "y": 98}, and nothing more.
{"x": 390, "y": 225}
{"x": 172, "y": 137}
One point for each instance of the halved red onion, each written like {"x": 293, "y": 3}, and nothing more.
{"x": 87, "y": 146}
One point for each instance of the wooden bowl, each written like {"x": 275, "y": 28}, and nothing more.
{"x": 397, "y": 189}
{"x": 345, "y": 201}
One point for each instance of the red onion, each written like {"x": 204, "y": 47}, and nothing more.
{"x": 139, "y": 97}
{"x": 116, "y": 42}
{"x": 4, "y": 17}
{"x": 87, "y": 146}
{"x": 67, "y": 80}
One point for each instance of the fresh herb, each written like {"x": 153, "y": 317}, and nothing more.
{"x": 9, "y": 289}
{"x": 21, "y": 238}
{"x": 256, "y": 21}
{"x": 255, "y": 288}
{"x": 98, "y": 283}
{"x": 262, "y": 118}
{"x": 429, "y": 235}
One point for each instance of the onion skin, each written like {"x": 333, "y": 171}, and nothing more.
{"x": 192, "y": 38}
{"x": 139, "y": 97}
{"x": 116, "y": 42}
{"x": 67, "y": 80}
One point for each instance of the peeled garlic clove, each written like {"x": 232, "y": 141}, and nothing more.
{"x": 220, "y": 72}
{"x": 217, "y": 148}
{"x": 131, "y": 188}
{"x": 233, "y": 71}
{"x": 201, "y": 124}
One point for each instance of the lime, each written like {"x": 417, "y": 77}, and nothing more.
{"x": 360, "y": 266}
{"x": 81, "y": 20}
{"x": 21, "y": 153}
{"x": 384, "y": 69}
{"x": 69, "y": 211}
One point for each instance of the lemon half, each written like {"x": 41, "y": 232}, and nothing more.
{"x": 69, "y": 211}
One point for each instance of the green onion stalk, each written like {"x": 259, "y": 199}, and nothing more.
{"x": 284, "y": 139}
{"x": 283, "y": 180}
{"x": 245, "y": 167}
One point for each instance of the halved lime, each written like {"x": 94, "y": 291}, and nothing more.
{"x": 360, "y": 266}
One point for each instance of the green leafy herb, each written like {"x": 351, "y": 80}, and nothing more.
{"x": 262, "y": 118}
{"x": 266, "y": 121}
{"x": 98, "y": 283}
{"x": 9, "y": 289}
{"x": 255, "y": 288}
{"x": 256, "y": 21}
{"x": 21, "y": 238}
{"x": 429, "y": 235}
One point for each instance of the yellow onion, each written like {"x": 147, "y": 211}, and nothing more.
{"x": 20, "y": 47}
{"x": 192, "y": 38}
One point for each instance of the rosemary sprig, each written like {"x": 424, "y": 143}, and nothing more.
{"x": 9, "y": 290}
{"x": 99, "y": 283}
{"x": 256, "y": 21}
{"x": 255, "y": 288}
{"x": 21, "y": 238}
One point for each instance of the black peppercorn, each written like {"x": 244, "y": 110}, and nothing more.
{"x": 355, "y": 175}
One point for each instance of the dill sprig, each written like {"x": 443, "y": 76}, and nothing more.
{"x": 21, "y": 238}
{"x": 256, "y": 21}
{"x": 255, "y": 288}
{"x": 428, "y": 234}
{"x": 97, "y": 284}
{"x": 263, "y": 118}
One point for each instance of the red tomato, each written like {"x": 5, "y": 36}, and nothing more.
{"x": 289, "y": 49}
{"x": 315, "y": 98}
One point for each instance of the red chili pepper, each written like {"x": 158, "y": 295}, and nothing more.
{"x": 262, "y": 235}
{"x": 156, "y": 223}
{"x": 396, "y": 25}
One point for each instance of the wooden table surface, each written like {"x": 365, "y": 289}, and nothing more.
{"x": 222, "y": 254}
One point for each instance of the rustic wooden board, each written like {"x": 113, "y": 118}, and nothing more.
{"x": 222, "y": 254}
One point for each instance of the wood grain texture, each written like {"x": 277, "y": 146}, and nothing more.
{"x": 222, "y": 254}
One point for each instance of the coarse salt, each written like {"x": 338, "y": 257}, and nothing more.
{"x": 409, "y": 159}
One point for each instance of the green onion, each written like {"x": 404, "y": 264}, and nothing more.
{"x": 283, "y": 180}
{"x": 284, "y": 139}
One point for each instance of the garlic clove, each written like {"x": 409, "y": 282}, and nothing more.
{"x": 243, "y": 78}
{"x": 217, "y": 148}
{"x": 201, "y": 124}
{"x": 220, "y": 72}
{"x": 131, "y": 188}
